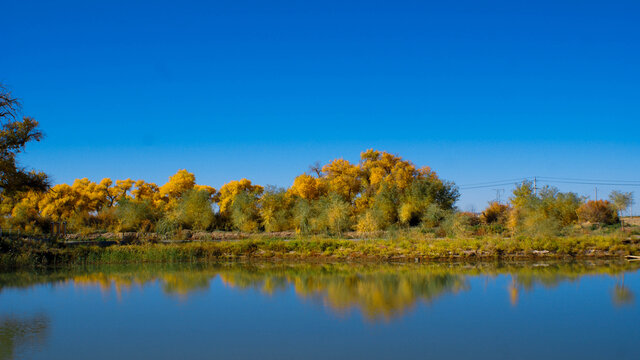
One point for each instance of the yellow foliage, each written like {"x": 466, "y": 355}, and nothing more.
{"x": 89, "y": 196}
{"x": 145, "y": 190}
{"x": 178, "y": 184}
{"x": 407, "y": 212}
{"x": 343, "y": 178}
{"x": 367, "y": 223}
{"x": 308, "y": 187}
{"x": 209, "y": 189}
{"x": 58, "y": 203}
{"x": 383, "y": 167}
{"x": 229, "y": 191}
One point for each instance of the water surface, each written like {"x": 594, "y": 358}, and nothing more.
{"x": 585, "y": 310}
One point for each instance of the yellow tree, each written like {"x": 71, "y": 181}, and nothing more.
{"x": 59, "y": 203}
{"x": 343, "y": 178}
{"x": 178, "y": 185}
{"x": 145, "y": 191}
{"x": 308, "y": 187}
{"x": 213, "y": 193}
{"x": 90, "y": 196}
{"x": 25, "y": 212}
{"x": 229, "y": 191}
{"x": 383, "y": 167}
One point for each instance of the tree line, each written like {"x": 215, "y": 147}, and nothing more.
{"x": 382, "y": 191}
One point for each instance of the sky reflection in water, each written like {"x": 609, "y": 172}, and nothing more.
{"x": 584, "y": 309}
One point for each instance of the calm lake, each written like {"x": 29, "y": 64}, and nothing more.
{"x": 581, "y": 310}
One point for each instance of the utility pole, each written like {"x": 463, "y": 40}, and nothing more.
{"x": 535, "y": 186}
{"x": 498, "y": 195}
{"x": 596, "y": 193}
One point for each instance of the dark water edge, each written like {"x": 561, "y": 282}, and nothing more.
{"x": 514, "y": 309}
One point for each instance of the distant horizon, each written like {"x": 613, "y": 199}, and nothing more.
{"x": 478, "y": 92}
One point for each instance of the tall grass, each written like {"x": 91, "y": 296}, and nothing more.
{"x": 18, "y": 253}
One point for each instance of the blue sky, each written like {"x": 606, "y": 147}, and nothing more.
{"x": 478, "y": 90}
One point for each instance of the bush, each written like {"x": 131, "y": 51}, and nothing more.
{"x": 338, "y": 215}
{"x": 244, "y": 212}
{"x": 598, "y": 212}
{"x": 434, "y": 216}
{"x": 302, "y": 215}
{"x": 135, "y": 215}
{"x": 371, "y": 221}
{"x": 495, "y": 213}
{"x": 275, "y": 209}
{"x": 195, "y": 210}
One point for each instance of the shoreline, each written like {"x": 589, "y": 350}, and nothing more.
{"x": 29, "y": 253}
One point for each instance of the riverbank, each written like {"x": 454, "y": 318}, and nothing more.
{"x": 29, "y": 253}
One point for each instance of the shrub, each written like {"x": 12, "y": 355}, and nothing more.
{"x": 338, "y": 214}
{"x": 244, "y": 212}
{"x": 371, "y": 221}
{"x": 135, "y": 215}
{"x": 495, "y": 213}
{"x": 195, "y": 211}
{"x": 302, "y": 215}
{"x": 433, "y": 216}
{"x": 598, "y": 211}
{"x": 275, "y": 209}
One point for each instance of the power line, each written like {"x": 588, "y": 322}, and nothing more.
{"x": 496, "y": 182}
{"x": 588, "y": 183}
{"x": 589, "y": 180}
{"x": 485, "y": 186}
{"x": 550, "y": 180}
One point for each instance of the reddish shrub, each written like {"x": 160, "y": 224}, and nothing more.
{"x": 495, "y": 213}
{"x": 599, "y": 211}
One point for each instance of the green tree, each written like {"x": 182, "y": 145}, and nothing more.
{"x": 244, "y": 211}
{"x": 275, "y": 209}
{"x": 15, "y": 133}
{"x": 135, "y": 215}
{"x": 195, "y": 210}
{"x": 622, "y": 201}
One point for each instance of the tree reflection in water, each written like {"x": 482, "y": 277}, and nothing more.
{"x": 378, "y": 291}
{"x": 17, "y": 333}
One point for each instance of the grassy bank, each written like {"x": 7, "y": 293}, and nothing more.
{"x": 21, "y": 253}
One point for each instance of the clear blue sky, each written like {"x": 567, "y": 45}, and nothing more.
{"x": 478, "y": 90}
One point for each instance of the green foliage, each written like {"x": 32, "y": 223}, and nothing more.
{"x": 194, "y": 210}
{"x": 385, "y": 205}
{"x": 421, "y": 195}
{"x": 302, "y": 216}
{"x": 338, "y": 214}
{"x": 621, "y": 201}
{"x": 561, "y": 207}
{"x": 14, "y": 136}
{"x": 134, "y": 215}
{"x": 275, "y": 209}
{"x": 244, "y": 212}
{"x": 372, "y": 220}
{"x": 543, "y": 214}
{"x": 434, "y": 215}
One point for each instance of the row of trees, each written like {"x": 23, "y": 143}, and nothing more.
{"x": 382, "y": 190}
